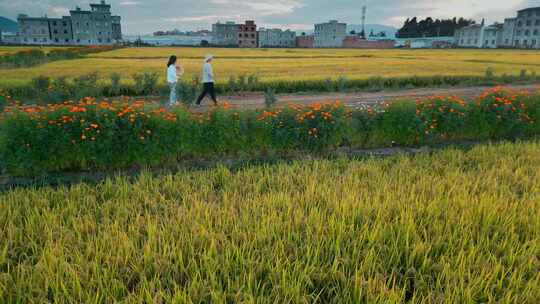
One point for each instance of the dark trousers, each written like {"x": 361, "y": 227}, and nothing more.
{"x": 208, "y": 88}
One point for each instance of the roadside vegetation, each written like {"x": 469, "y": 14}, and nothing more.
{"x": 86, "y": 135}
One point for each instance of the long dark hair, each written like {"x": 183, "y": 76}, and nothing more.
{"x": 172, "y": 60}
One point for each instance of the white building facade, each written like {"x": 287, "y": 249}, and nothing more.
{"x": 471, "y": 36}
{"x": 276, "y": 38}
{"x": 527, "y": 30}
{"x": 225, "y": 34}
{"x": 33, "y": 30}
{"x": 330, "y": 34}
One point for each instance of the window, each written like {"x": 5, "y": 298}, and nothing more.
{"x": 535, "y": 33}
{"x": 55, "y": 32}
{"x": 64, "y": 23}
{"x": 65, "y": 31}
{"x": 487, "y": 42}
{"x": 519, "y": 24}
{"x": 67, "y": 40}
{"x": 78, "y": 40}
{"x": 527, "y": 33}
{"x": 518, "y": 33}
{"x": 35, "y": 39}
{"x": 55, "y": 39}
{"x": 54, "y": 23}
{"x": 528, "y": 23}
{"x": 537, "y": 22}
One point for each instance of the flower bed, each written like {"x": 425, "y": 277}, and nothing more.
{"x": 108, "y": 135}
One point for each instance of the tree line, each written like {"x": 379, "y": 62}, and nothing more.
{"x": 431, "y": 28}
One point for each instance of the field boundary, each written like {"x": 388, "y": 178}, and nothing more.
{"x": 8, "y": 182}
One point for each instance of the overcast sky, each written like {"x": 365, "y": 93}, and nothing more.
{"x": 146, "y": 16}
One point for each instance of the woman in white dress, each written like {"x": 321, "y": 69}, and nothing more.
{"x": 173, "y": 72}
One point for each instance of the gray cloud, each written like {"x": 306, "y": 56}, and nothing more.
{"x": 144, "y": 16}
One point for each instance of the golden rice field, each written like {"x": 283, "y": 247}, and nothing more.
{"x": 14, "y": 49}
{"x": 287, "y": 64}
{"x": 450, "y": 227}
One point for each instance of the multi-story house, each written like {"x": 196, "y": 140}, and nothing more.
{"x": 33, "y": 30}
{"x": 471, "y": 36}
{"x": 330, "y": 34}
{"x": 225, "y": 34}
{"x": 527, "y": 30}
{"x": 116, "y": 28}
{"x": 508, "y": 33}
{"x": 277, "y": 38}
{"x": 247, "y": 35}
{"x": 493, "y": 36}
{"x": 61, "y": 30}
{"x": 94, "y": 27}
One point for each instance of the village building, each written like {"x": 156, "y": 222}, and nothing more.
{"x": 94, "y": 27}
{"x": 34, "y": 30}
{"x": 276, "y": 38}
{"x": 61, "y": 30}
{"x": 330, "y": 34}
{"x": 247, "y": 35}
{"x": 527, "y": 28}
{"x": 225, "y": 34}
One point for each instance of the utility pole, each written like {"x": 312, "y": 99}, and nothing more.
{"x": 364, "y": 9}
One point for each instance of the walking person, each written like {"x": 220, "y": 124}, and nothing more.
{"x": 208, "y": 81}
{"x": 173, "y": 72}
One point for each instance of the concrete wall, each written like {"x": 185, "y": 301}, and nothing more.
{"x": 359, "y": 43}
{"x": 305, "y": 41}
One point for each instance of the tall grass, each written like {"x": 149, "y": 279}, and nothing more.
{"x": 452, "y": 227}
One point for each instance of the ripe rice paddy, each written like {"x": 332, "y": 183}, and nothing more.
{"x": 452, "y": 227}
{"x": 289, "y": 64}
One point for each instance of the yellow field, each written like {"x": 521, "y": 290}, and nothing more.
{"x": 285, "y": 64}
{"x": 14, "y": 49}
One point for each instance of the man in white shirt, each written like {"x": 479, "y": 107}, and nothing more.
{"x": 208, "y": 80}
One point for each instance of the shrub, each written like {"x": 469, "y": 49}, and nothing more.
{"x": 146, "y": 83}
{"x": 500, "y": 113}
{"x": 398, "y": 124}
{"x": 442, "y": 117}
{"x": 116, "y": 86}
{"x": 86, "y": 85}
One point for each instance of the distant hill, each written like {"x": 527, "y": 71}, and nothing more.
{"x": 390, "y": 31}
{"x": 8, "y": 25}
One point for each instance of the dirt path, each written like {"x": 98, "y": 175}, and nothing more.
{"x": 256, "y": 100}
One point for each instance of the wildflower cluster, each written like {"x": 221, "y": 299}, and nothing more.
{"x": 441, "y": 116}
